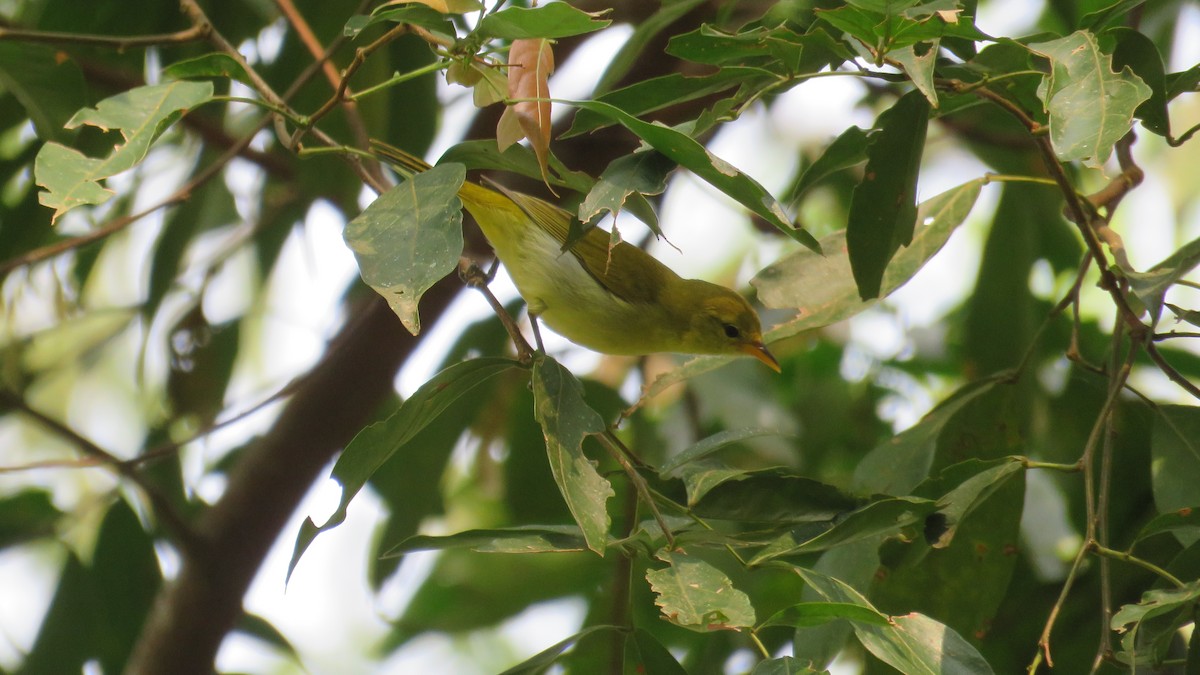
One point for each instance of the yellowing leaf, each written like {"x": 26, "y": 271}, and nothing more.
{"x": 530, "y": 63}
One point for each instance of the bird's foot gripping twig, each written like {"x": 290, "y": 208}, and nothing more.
{"x": 474, "y": 276}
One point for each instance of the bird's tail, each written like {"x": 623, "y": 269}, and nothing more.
{"x": 405, "y": 163}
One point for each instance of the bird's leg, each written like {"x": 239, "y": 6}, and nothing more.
{"x": 537, "y": 333}
{"x": 476, "y": 278}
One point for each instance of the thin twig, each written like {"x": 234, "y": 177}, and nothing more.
{"x": 476, "y": 278}
{"x": 1085, "y": 462}
{"x": 119, "y": 42}
{"x": 615, "y": 448}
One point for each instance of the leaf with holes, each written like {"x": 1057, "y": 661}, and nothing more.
{"x": 1090, "y": 106}
{"x": 697, "y": 596}
{"x": 141, "y": 115}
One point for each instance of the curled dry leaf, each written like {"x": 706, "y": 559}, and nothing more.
{"x": 530, "y": 62}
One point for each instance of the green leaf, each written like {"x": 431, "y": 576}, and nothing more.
{"x": 883, "y": 208}
{"x": 986, "y": 477}
{"x": 690, "y": 154}
{"x": 784, "y": 665}
{"x": 1188, "y": 315}
{"x": 884, "y": 517}
{"x": 1175, "y": 463}
{"x": 643, "y": 35}
{"x": 544, "y": 659}
{"x": 409, "y": 238}
{"x": 885, "y": 27}
{"x": 645, "y": 654}
{"x": 125, "y": 578}
{"x": 520, "y": 539}
{"x": 47, "y": 83}
{"x": 553, "y": 20}
{"x": 566, "y": 420}
{"x": 807, "y": 614}
{"x": 695, "y": 595}
{"x": 258, "y": 627}
{"x": 918, "y": 61}
{"x": 484, "y": 154}
{"x": 64, "y": 640}
{"x": 709, "y": 445}
{"x": 847, "y": 150}
{"x": 643, "y": 172}
{"x": 141, "y": 114}
{"x": 900, "y": 463}
{"x": 1101, "y": 18}
{"x": 913, "y": 644}
{"x": 1139, "y": 53}
{"x": 376, "y": 443}
{"x": 920, "y": 645}
{"x": 777, "y": 48}
{"x": 414, "y": 14}
{"x": 774, "y": 496}
{"x": 215, "y": 65}
{"x": 1090, "y": 106}
{"x": 1185, "y": 522}
{"x": 1154, "y": 603}
{"x": 823, "y": 288}
{"x": 1152, "y": 285}
{"x": 26, "y": 515}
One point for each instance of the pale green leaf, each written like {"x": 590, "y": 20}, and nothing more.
{"x": 1090, "y": 106}
{"x": 140, "y": 114}
{"x": 693, "y": 594}
{"x": 409, "y": 238}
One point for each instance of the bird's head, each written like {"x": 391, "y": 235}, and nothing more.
{"x": 720, "y": 321}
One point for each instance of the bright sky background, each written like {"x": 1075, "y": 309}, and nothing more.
{"x": 327, "y": 610}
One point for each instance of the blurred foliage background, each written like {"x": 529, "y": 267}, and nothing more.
{"x": 1002, "y": 454}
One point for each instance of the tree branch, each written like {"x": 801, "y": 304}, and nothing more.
{"x": 191, "y": 616}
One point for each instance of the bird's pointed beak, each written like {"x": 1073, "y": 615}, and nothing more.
{"x": 759, "y": 351}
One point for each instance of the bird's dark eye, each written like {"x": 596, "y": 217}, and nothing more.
{"x": 731, "y": 331}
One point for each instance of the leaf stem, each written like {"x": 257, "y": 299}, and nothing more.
{"x": 401, "y": 77}
{"x": 1125, "y": 556}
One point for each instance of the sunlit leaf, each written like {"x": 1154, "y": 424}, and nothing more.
{"x": 644, "y": 172}
{"x": 141, "y": 115}
{"x": 1090, "y": 106}
{"x": 823, "y": 288}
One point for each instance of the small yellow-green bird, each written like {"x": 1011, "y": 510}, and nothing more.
{"x": 618, "y": 301}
